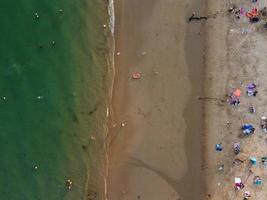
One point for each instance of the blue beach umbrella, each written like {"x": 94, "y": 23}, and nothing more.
{"x": 218, "y": 147}
{"x": 253, "y": 161}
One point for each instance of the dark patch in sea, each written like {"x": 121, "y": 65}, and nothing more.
{"x": 74, "y": 117}
{"x": 91, "y": 195}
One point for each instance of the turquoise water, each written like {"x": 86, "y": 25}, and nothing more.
{"x": 51, "y": 96}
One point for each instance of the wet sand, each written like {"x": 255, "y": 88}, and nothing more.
{"x": 157, "y": 154}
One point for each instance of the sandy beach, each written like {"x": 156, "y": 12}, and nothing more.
{"x": 165, "y": 125}
{"x": 155, "y": 150}
{"x": 235, "y": 58}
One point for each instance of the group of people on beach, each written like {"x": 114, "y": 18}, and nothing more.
{"x": 247, "y": 129}
{"x": 254, "y": 15}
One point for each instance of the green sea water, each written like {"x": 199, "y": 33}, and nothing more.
{"x": 52, "y": 96}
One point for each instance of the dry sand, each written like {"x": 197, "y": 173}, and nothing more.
{"x": 156, "y": 155}
{"x": 234, "y": 60}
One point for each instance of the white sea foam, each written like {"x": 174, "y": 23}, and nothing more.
{"x": 111, "y": 16}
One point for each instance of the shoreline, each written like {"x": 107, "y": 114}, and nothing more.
{"x": 115, "y": 122}
{"x": 109, "y": 109}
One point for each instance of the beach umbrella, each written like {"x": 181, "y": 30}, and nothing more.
{"x": 253, "y": 160}
{"x": 251, "y": 86}
{"x": 248, "y": 129}
{"x": 219, "y": 147}
{"x": 237, "y": 92}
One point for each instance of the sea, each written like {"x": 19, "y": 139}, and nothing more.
{"x": 54, "y": 83}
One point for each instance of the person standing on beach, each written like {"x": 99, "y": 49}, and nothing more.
{"x": 247, "y": 195}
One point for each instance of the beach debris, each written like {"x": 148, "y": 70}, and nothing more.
{"x": 92, "y": 138}
{"x": 257, "y": 180}
{"x": 218, "y": 147}
{"x": 241, "y": 158}
{"x": 247, "y": 195}
{"x": 237, "y": 148}
{"x": 253, "y": 161}
{"x": 136, "y": 75}
{"x": 238, "y": 184}
{"x": 195, "y": 16}
{"x": 248, "y": 129}
{"x": 123, "y": 124}
{"x": 69, "y": 184}
{"x": 36, "y": 15}
{"x": 263, "y": 123}
{"x": 210, "y": 98}
{"x": 118, "y": 53}
{"x": 107, "y": 112}
{"x": 104, "y": 25}
{"x": 155, "y": 71}
{"x": 143, "y": 53}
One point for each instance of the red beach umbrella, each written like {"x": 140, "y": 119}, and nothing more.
{"x": 237, "y": 92}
